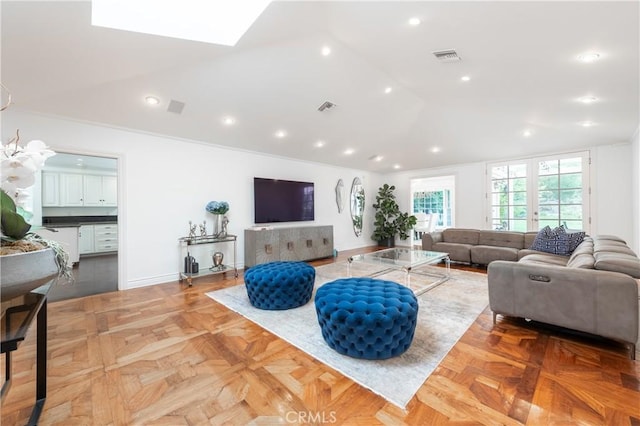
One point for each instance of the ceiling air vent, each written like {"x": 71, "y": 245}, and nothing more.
{"x": 175, "y": 106}
{"x": 326, "y": 105}
{"x": 448, "y": 55}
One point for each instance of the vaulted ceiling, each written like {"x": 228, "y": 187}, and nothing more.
{"x": 521, "y": 59}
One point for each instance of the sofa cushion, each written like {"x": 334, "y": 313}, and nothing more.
{"x": 460, "y": 235}
{"x": 529, "y": 237}
{"x": 583, "y": 261}
{"x": 617, "y": 262}
{"x": 486, "y": 254}
{"x": 557, "y": 241}
{"x": 545, "y": 259}
{"x": 525, "y": 252}
{"x": 501, "y": 239}
{"x": 457, "y": 252}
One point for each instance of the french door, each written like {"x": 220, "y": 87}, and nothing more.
{"x": 527, "y": 195}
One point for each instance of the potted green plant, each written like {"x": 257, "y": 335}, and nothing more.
{"x": 389, "y": 220}
{"x": 26, "y": 260}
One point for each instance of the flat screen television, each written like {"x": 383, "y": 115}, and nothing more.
{"x": 277, "y": 200}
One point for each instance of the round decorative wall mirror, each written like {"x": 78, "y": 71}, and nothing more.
{"x": 357, "y": 205}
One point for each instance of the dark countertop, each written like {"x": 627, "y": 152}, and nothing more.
{"x": 71, "y": 221}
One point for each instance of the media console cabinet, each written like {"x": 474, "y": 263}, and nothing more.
{"x": 293, "y": 243}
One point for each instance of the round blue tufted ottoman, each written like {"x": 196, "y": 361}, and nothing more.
{"x": 367, "y": 318}
{"x": 280, "y": 285}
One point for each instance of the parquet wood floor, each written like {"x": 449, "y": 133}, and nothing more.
{"x": 169, "y": 355}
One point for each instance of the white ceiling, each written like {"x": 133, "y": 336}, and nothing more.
{"x": 521, "y": 57}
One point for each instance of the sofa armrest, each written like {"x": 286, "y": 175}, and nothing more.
{"x": 430, "y": 238}
{"x": 596, "y": 302}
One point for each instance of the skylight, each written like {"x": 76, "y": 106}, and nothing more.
{"x": 218, "y": 22}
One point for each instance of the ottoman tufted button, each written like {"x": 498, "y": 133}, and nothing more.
{"x": 279, "y": 285}
{"x": 367, "y": 318}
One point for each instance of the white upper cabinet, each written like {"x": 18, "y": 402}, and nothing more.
{"x": 100, "y": 191}
{"x": 61, "y": 189}
{"x": 50, "y": 189}
{"x": 71, "y": 190}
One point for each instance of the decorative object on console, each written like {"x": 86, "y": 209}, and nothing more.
{"x": 217, "y": 259}
{"x": 340, "y": 195}
{"x": 192, "y": 230}
{"x": 218, "y": 209}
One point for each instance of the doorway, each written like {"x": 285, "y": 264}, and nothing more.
{"x": 80, "y": 191}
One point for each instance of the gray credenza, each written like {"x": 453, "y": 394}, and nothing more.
{"x": 296, "y": 243}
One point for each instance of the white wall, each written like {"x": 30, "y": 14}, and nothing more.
{"x": 611, "y": 203}
{"x": 635, "y": 188}
{"x": 469, "y": 193}
{"x": 612, "y": 196}
{"x": 165, "y": 182}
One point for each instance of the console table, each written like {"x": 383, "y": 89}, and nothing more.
{"x": 290, "y": 243}
{"x": 187, "y": 242}
{"x": 16, "y": 321}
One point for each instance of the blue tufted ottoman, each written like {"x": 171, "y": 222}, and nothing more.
{"x": 367, "y": 318}
{"x": 279, "y": 285}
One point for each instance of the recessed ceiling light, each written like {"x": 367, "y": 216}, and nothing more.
{"x": 349, "y": 151}
{"x": 396, "y": 166}
{"x": 587, "y": 124}
{"x": 588, "y": 99}
{"x": 319, "y": 144}
{"x": 388, "y": 90}
{"x": 589, "y": 57}
{"x": 376, "y": 158}
{"x": 414, "y": 22}
{"x": 326, "y": 51}
{"x": 527, "y": 133}
{"x": 228, "y": 121}
{"x": 152, "y": 100}
{"x": 435, "y": 149}
{"x": 465, "y": 78}
{"x": 280, "y": 134}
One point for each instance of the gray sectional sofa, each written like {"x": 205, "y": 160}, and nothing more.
{"x": 479, "y": 246}
{"x": 595, "y": 290}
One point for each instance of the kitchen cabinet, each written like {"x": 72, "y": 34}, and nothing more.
{"x": 50, "y": 189}
{"x": 67, "y": 237}
{"x": 100, "y": 191}
{"x": 86, "y": 239}
{"x": 105, "y": 237}
{"x": 75, "y": 190}
{"x": 99, "y": 238}
{"x": 71, "y": 189}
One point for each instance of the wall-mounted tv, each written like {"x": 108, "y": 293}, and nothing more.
{"x": 277, "y": 200}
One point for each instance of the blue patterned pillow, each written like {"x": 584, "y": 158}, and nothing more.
{"x": 573, "y": 238}
{"x": 557, "y": 241}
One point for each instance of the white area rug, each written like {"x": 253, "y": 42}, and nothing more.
{"x": 445, "y": 313}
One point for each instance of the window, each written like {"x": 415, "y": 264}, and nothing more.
{"x": 435, "y": 195}
{"x": 528, "y": 195}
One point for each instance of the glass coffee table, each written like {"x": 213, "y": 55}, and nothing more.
{"x": 407, "y": 260}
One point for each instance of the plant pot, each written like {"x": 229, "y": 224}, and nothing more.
{"x": 387, "y": 242}
{"x": 23, "y": 272}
